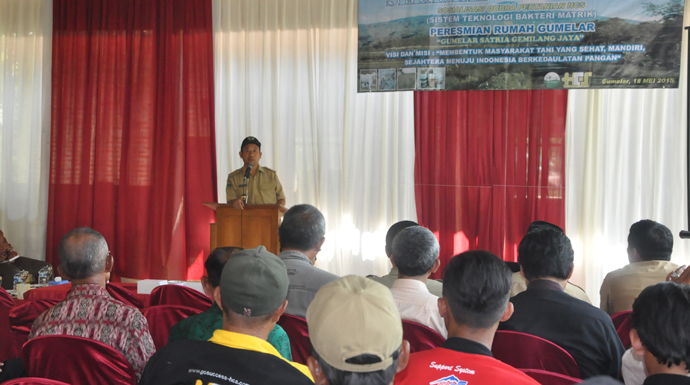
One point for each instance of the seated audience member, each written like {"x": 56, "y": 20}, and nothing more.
{"x": 544, "y": 310}
{"x": 201, "y": 327}
{"x": 252, "y": 292}
{"x": 356, "y": 334}
{"x": 649, "y": 251}
{"x": 660, "y": 320}
{"x": 434, "y": 286}
{"x": 476, "y": 290}
{"x": 415, "y": 254}
{"x": 10, "y": 264}
{"x": 302, "y": 234}
{"x": 520, "y": 283}
{"x": 89, "y": 311}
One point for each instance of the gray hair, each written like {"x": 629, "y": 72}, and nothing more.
{"x": 302, "y": 228}
{"x": 415, "y": 250}
{"x": 83, "y": 253}
{"x": 341, "y": 377}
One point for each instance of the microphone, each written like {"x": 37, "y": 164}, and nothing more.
{"x": 684, "y": 234}
{"x": 248, "y": 171}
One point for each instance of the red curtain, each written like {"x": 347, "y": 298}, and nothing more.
{"x": 487, "y": 164}
{"x": 132, "y": 142}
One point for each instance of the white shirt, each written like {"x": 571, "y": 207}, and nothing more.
{"x": 416, "y": 304}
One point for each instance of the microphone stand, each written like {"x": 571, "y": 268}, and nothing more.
{"x": 686, "y": 234}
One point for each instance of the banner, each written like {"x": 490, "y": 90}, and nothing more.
{"x": 517, "y": 45}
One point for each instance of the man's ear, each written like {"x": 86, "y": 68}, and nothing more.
{"x": 240, "y": 153}
{"x": 508, "y": 312}
{"x": 522, "y": 273}
{"x": 404, "y": 357}
{"x": 320, "y": 243}
{"x": 279, "y": 312}
{"x": 572, "y": 270}
{"x": 109, "y": 262}
{"x": 61, "y": 273}
{"x": 316, "y": 371}
{"x": 216, "y": 297}
{"x": 437, "y": 264}
{"x": 443, "y": 307}
{"x": 636, "y": 343}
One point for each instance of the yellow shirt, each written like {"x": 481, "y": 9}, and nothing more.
{"x": 263, "y": 188}
{"x": 622, "y": 286}
{"x": 247, "y": 342}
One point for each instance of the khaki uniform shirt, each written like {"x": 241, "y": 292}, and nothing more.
{"x": 520, "y": 285}
{"x": 263, "y": 188}
{"x": 622, "y": 286}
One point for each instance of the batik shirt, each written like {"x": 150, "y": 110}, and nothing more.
{"x": 6, "y": 250}
{"x": 201, "y": 327}
{"x": 90, "y": 312}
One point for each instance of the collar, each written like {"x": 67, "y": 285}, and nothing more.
{"x": 258, "y": 168}
{"x": 90, "y": 289}
{"x": 464, "y": 345}
{"x": 667, "y": 379}
{"x": 406, "y": 283}
{"x": 294, "y": 254}
{"x": 544, "y": 284}
{"x": 215, "y": 309}
{"x": 244, "y": 342}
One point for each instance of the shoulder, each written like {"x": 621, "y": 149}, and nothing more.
{"x": 236, "y": 172}
{"x": 268, "y": 170}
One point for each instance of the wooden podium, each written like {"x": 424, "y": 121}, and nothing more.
{"x": 248, "y": 228}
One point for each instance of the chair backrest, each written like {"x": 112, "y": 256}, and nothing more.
{"x": 298, "y": 333}
{"x": 22, "y": 317}
{"x": 33, "y": 381}
{"x": 162, "y": 317}
{"x": 87, "y": 362}
{"x": 179, "y": 295}
{"x": 420, "y": 337}
{"x": 548, "y": 378}
{"x": 8, "y": 349}
{"x": 525, "y": 351}
{"x": 622, "y": 321}
{"x": 123, "y": 295}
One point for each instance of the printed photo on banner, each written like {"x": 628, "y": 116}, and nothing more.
{"x": 521, "y": 44}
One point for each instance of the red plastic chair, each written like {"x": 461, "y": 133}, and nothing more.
{"x": 162, "y": 317}
{"x": 123, "y": 295}
{"x": 8, "y": 349}
{"x": 87, "y": 362}
{"x": 548, "y": 378}
{"x": 525, "y": 351}
{"x": 33, "y": 381}
{"x": 421, "y": 337}
{"x": 22, "y": 317}
{"x": 298, "y": 333}
{"x": 622, "y": 321}
{"x": 179, "y": 295}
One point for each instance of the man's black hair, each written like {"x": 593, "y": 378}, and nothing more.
{"x": 545, "y": 253}
{"x": 415, "y": 250}
{"x": 652, "y": 240}
{"x": 543, "y": 224}
{"x": 476, "y": 285}
{"x": 394, "y": 230}
{"x": 661, "y": 315}
{"x": 341, "y": 377}
{"x": 216, "y": 261}
{"x": 302, "y": 228}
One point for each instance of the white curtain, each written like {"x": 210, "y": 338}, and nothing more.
{"x": 285, "y": 72}
{"x": 25, "y": 61}
{"x": 625, "y": 161}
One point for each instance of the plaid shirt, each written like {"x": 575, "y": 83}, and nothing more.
{"x": 6, "y": 250}
{"x": 90, "y": 312}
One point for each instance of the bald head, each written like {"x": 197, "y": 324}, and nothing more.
{"x": 83, "y": 253}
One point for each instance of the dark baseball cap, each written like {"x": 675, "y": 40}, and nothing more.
{"x": 250, "y": 140}
{"x": 254, "y": 282}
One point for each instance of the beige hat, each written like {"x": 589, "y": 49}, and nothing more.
{"x": 352, "y": 316}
